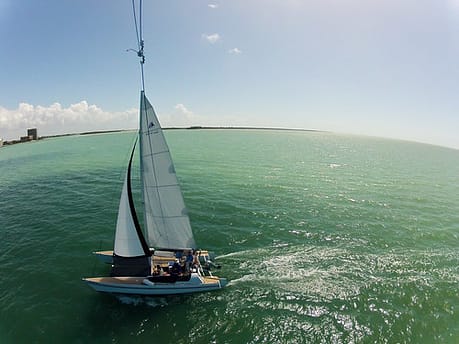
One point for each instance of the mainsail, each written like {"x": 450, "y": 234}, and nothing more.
{"x": 166, "y": 219}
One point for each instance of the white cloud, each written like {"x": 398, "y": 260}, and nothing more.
{"x": 212, "y": 39}
{"x": 82, "y": 117}
{"x": 180, "y": 117}
{"x": 182, "y": 109}
{"x": 213, "y": 6}
{"x": 55, "y": 119}
{"x": 235, "y": 51}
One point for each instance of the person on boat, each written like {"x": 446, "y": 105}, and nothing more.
{"x": 162, "y": 272}
{"x": 196, "y": 259}
{"x": 189, "y": 261}
{"x": 155, "y": 271}
{"x": 176, "y": 268}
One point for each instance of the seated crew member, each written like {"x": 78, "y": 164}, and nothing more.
{"x": 176, "y": 268}
{"x": 156, "y": 270}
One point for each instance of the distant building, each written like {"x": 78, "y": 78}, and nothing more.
{"x": 26, "y": 138}
{"x": 33, "y": 133}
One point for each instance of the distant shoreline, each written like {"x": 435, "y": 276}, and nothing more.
{"x": 241, "y": 128}
{"x": 196, "y": 127}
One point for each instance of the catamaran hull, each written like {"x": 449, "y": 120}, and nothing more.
{"x": 141, "y": 286}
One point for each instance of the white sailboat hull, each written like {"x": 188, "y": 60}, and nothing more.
{"x": 142, "y": 286}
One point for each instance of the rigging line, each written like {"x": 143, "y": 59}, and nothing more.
{"x": 135, "y": 23}
{"x": 140, "y": 25}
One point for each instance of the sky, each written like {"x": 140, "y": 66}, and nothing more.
{"x": 386, "y": 68}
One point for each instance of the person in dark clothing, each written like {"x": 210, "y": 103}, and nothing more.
{"x": 176, "y": 268}
{"x": 189, "y": 261}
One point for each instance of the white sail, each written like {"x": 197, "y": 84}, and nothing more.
{"x": 127, "y": 243}
{"x": 166, "y": 220}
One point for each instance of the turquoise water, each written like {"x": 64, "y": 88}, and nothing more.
{"x": 325, "y": 238}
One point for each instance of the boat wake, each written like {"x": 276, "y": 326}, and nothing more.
{"x": 243, "y": 279}
{"x": 232, "y": 254}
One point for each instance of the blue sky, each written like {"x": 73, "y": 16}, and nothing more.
{"x": 385, "y": 68}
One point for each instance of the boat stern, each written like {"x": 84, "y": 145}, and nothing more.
{"x": 223, "y": 282}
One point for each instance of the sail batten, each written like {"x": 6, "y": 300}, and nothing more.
{"x": 167, "y": 217}
{"x": 153, "y": 154}
{"x": 161, "y": 186}
{"x": 167, "y": 224}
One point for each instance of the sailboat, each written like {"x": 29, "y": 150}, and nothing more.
{"x": 162, "y": 259}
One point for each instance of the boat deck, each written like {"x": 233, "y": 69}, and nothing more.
{"x": 117, "y": 280}
{"x": 209, "y": 279}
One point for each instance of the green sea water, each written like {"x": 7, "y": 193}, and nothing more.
{"x": 325, "y": 238}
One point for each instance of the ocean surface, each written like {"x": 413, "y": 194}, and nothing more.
{"x": 325, "y": 238}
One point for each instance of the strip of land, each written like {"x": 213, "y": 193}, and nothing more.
{"x": 167, "y": 128}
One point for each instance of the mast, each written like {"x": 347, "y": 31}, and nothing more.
{"x": 166, "y": 221}
{"x": 140, "y": 42}
{"x": 143, "y": 110}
